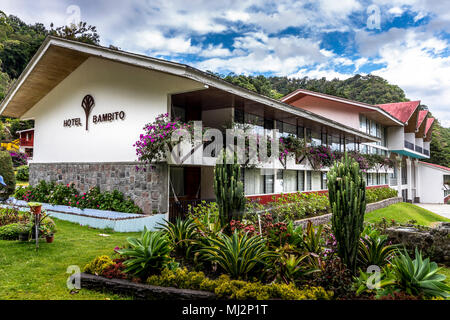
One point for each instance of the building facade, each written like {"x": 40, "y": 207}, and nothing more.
{"x": 90, "y": 105}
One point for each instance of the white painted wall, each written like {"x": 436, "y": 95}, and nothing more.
{"x": 431, "y": 184}
{"x": 396, "y": 138}
{"x": 141, "y": 94}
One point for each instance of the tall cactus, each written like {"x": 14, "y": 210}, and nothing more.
{"x": 229, "y": 191}
{"x": 347, "y": 194}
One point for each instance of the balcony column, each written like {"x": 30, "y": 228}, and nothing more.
{"x": 409, "y": 178}
{"x": 398, "y": 164}
{"x": 416, "y": 167}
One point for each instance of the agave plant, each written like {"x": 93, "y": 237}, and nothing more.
{"x": 419, "y": 276}
{"x": 375, "y": 250}
{"x": 181, "y": 233}
{"x": 237, "y": 255}
{"x": 147, "y": 255}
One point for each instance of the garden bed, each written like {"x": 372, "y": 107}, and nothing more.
{"x": 141, "y": 291}
{"x": 327, "y": 217}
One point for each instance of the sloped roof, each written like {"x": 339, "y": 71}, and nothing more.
{"x": 401, "y": 110}
{"x": 422, "y": 116}
{"x": 436, "y": 165}
{"x": 430, "y": 122}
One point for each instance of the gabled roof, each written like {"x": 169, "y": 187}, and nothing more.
{"x": 295, "y": 94}
{"x": 57, "y": 58}
{"x": 422, "y": 115}
{"x": 436, "y": 166}
{"x": 401, "y": 110}
{"x": 430, "y": 122}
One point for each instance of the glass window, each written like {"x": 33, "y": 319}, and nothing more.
{"x": 350, "y": 144}
{"x": 253, "y": 182}
{"x": 369, "y": 179}
{"x": 289, "y": 180}
{"x": 308, "y": 135}
{"x": 268, "y": 124}
{"x": 301, "y": 180}
{"x": 178, "y": 113}
{"x": 238, "y": 116}
{"x": 177, "y": 181}
{"x": 269, "y": 180}
{"x": 362, "y": 123}
{"x": 316, "y": 138}
{"x": 289, "y": 129}
{"x": 373, "y": 128}
{"x": 335, "y": 144}
{"x": 308, "y": 180}
{"x": 300, "y": 132}
{"x": 323, "y": 183}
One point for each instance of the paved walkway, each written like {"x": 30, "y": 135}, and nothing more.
{"x": 440, "y": 209}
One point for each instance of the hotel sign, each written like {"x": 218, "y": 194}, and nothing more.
{"x": 88, "y": 104}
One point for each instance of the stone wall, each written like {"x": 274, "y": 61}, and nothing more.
{"x": 433, "y": 242}
{"x": 147, "y": 189}
{"x": 327, "y": 217}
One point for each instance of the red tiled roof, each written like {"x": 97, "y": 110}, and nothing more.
{"x": 401, "y": 110}
{"x": 422, "y": 116}
{"x": 436, "y": 165}
{"x": 430, "y": 122}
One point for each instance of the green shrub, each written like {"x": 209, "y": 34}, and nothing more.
{"x": 12, "y": 231}
{"x": 98, "y": 265}
{"x": 294, "y": 206}
{"x": 7, "y": 172}
{"x": 23, "y": 173}
{"x": 378, "y": 194}
{"x": 237, "y": 255}
{"x": 181, "y": 233}
{"x": 206, "y": 217}
{"x": 147, "y": 255}
{"x": 68, "y": 195}
{"x": 374, "y": 249}
{"x": 225, "y": 288}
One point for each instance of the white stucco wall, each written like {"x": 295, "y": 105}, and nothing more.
{"x": 141, "y": 94}
{"x": 431, "y": 180}
{"x": 396, "y": 138}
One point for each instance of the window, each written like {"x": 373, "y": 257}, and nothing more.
{"x": 269, "y": 180}
{"x": 289, "y": 181}
{"x": 362, "y": 123}
{"x": 256, "y": 122}
{"x": 373, "y": 128}
{"x": 289, "y": 129}
{"x": 308, "y": 135}
{"x": 238, "y": 116}
{"x": 308, "y": 180}
{"x": 179, "y": 113}
{"x": 323, "y": 182}
{"x": 301, "y": 180}
{"x": 336, "y": 143}
{"x": 253, "y": 182}
{"x": 350, "y": 144}
{"x": 177, "y": 181}
{"x": 382, "y": 178}
{"x": 301, "y": 132}
{"x": 369, "y": 179}
{"x": 316, "y": 138}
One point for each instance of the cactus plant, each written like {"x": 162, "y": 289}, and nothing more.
{"x": 347, "y": 194}
{"x": 229, "y": 191}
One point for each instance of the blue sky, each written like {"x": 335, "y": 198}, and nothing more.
{"x": 404, "y": 41}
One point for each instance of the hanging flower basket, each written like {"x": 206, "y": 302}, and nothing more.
{"x": 35, "y": 208}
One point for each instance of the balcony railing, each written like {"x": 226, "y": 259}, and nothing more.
{"x": 426, "y": 152}
{"x": 419, "y": 149}
{"x": 409, "y": 145}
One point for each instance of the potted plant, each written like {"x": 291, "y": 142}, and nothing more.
{"x": 47, "y": 233}
{"x": 35, "y": 208}
{"x": 24, "y": 232}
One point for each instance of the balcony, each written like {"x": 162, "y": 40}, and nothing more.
{"x": 409, "y": 145}
{"x": 418, "y": 149}
{"x": 426, "y": 152}
{"x": 26, "y": 143}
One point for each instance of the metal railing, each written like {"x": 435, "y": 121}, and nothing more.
{"x": 409, "y": 145}
{"x": 180, "y": 208}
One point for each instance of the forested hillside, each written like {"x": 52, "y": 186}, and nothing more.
{"x": 19, "y": 42}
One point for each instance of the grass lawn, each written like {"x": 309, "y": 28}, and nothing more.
{"x": 27, "y": 274}
{"x": 404, "y": 212}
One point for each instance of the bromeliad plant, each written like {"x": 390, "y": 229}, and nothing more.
{"x": 181, "y": 233}
{"x": 238, "y": 255}
{"x": 148, "y": 254}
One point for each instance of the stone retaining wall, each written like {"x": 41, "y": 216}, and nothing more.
{"x": 147, "y": 189}
{"x": 140, "y": 291}
{"x": 327, "y": 217}
{"x": 433, "y": 242}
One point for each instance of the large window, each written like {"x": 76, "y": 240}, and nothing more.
{"x": 253, "y": 182}
{"x": 269, "y": 181}
{"x": 323, "y": 181}
{"x": 289, "y": 181}
{"x": 308, "y": 180}
{"x": 301, "y": 180}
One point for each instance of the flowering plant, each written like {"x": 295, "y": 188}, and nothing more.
{"x": 320, "y": 156}
{"x": 156, "y": 141}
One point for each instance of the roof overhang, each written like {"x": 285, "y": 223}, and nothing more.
{"x": 374, "y": 112}
{"x": 57, "y": 58}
